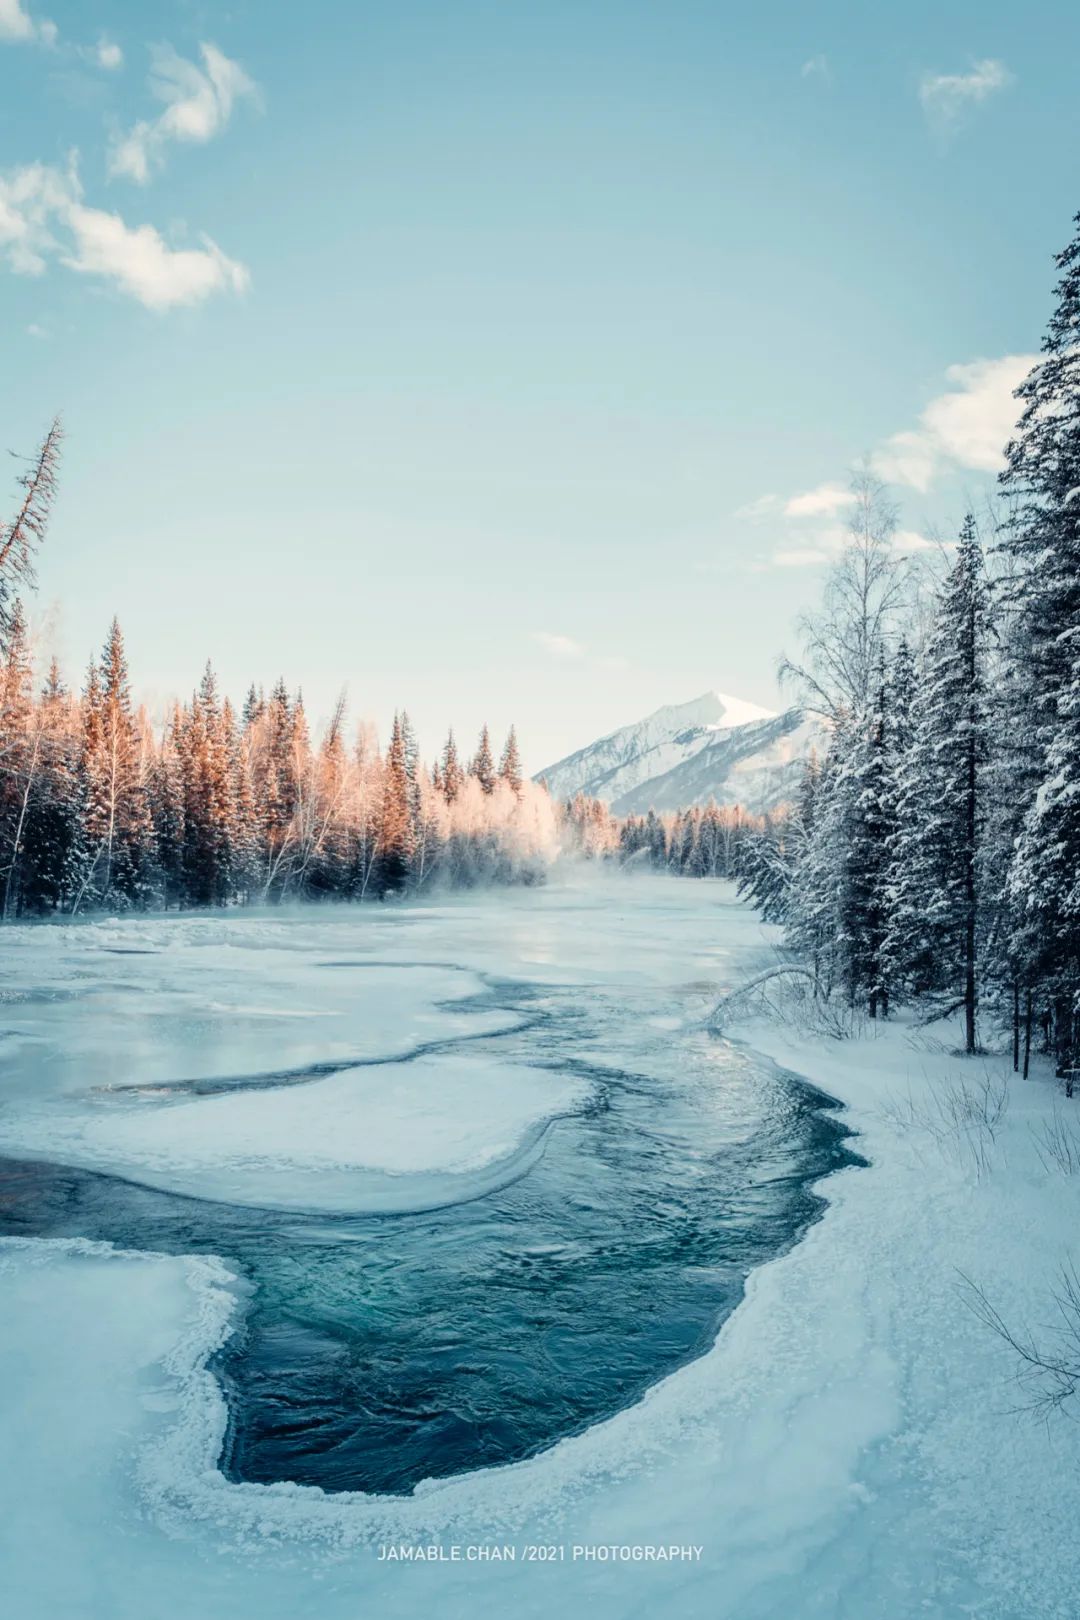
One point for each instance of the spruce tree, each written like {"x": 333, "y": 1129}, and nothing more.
{"x": 1042, "y": 477}
{"x": 21, "y": 761}
{"x": 395, "y": 828}
{"x": 937, "y": 853}
{"x": 483, "y": 765}
{"x": 452, "y": 773}
{"x": 510, "y": 764}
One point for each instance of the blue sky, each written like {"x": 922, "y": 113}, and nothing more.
{"x": 508, "y": 362}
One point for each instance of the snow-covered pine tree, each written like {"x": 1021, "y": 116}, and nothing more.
{"x": 118, "y": 866}
{"x": 166, "y": 794}
{"x": 1042, "y": 538}
{"x": 483, "y": 765}
{"x": 210, "y": 807}
{"x": 510, "y": 764}
{"x": 21, "y": 762}
{"x": 395, "y": 830}
{"x": 52, "y": 813}
{"x": 452, "y": 773}
{"x": 936, "y": 853}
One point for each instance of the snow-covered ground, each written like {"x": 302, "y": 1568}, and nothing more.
{"x": 846, "y": 1448}
{"x": 438, "y": 1131}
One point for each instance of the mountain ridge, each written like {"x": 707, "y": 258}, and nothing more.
{"x": 714, "y": 747}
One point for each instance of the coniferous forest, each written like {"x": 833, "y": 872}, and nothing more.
{"x": 933, "y": 855}
{"x": 99, "y": 809}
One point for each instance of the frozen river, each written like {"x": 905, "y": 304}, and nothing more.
{"x": 485, "y": 1174}
{"x": 444, "y": 1313}
{"x": 449, "y": 1231}
{"x": 465, "y": 1180}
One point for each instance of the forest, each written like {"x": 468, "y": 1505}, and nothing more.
{"x": 933, "y": 853}
{"x": 97, "y": 809}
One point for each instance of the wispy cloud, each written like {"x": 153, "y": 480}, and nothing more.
{"x": 18, "y": 26}
{"x": 105, "y": 54}
{"x": 817, "y": 67}
{"x": 823, "y": 501}
{"x": 569, "y": 651}
{"x": 199, "y": 103}
{"x": 558, "y": 646}
{"x": 947, "y": 96}
{"x": 763, "y": 507}
{"x": 43, "y": 220}
{"x": 967, "y": 426}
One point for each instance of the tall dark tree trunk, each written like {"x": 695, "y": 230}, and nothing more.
{"x": 970, "y": 897}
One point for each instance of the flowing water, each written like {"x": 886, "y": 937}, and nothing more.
{"x": 376, "y": 1351}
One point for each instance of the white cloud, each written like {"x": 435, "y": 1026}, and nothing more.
{"x": 964, "y": 428}
{"x": 107, "y": 54}
{"x": 947, "y": 96}
{"x": 823, "y": 501}
{"x": 825, "y": 544}
{"x": 43, "y": 217}
{"x": 908, "y": 541}
{"x": 802, "y": 557}
{"x": 142, "y": 264}
{"x": 816, "y": 68}
{"x": 199, "y": 102}
{"x": 17, "y": 24}
{"x": 807, "y": 550}
{"x": 558, "y": 646}
{"x": 568, "y": 651}
{"x": 968, "y": 426}
{"x": 761, "y": 508}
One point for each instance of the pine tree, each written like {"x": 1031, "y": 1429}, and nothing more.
{"x": 209, "y": 799}
{"x": 942, "y": 808}
{"x": 20, "y": 756}
{"x": 510, "y": 764}
{"x": 52, "y": 814}
{"x": 483, "y": 765}
{"x": 1042, "y": 476}
{"x": 166, "y": 794}
{"x": 395, "y": 831}
{"x": 452, "y": 773}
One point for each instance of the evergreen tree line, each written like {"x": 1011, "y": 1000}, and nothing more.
{"x": 933, "y": 854}
{"x": 696, "y": 842}
{"x": 217, "y": 808}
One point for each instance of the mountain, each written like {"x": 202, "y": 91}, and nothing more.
{"x": 715, "y": 747}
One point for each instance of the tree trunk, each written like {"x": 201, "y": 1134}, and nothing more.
{"x": 1027, "y": 1033}
{"x": 969, "y": 877}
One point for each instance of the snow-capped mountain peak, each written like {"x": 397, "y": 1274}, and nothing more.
{"x": 714, "y": 747}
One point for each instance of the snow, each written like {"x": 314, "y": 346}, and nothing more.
{"x": 682, "y": 754}
{"x": 846, "y": 1449}
{"x": 737, "y": 712}
{"x": 434, "y": 1132}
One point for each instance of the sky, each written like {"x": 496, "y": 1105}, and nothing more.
{"x": 508, "y": 363}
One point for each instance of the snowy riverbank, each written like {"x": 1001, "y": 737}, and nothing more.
{"x": 843, "y": 1450}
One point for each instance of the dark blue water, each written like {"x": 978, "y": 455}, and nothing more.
{"x": 380, "y": 1351}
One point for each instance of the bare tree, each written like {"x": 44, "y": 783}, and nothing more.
{"x": 864, "y": 592}
{"x": 20, "y": 538}
{"x": 1049, "y": 1371}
